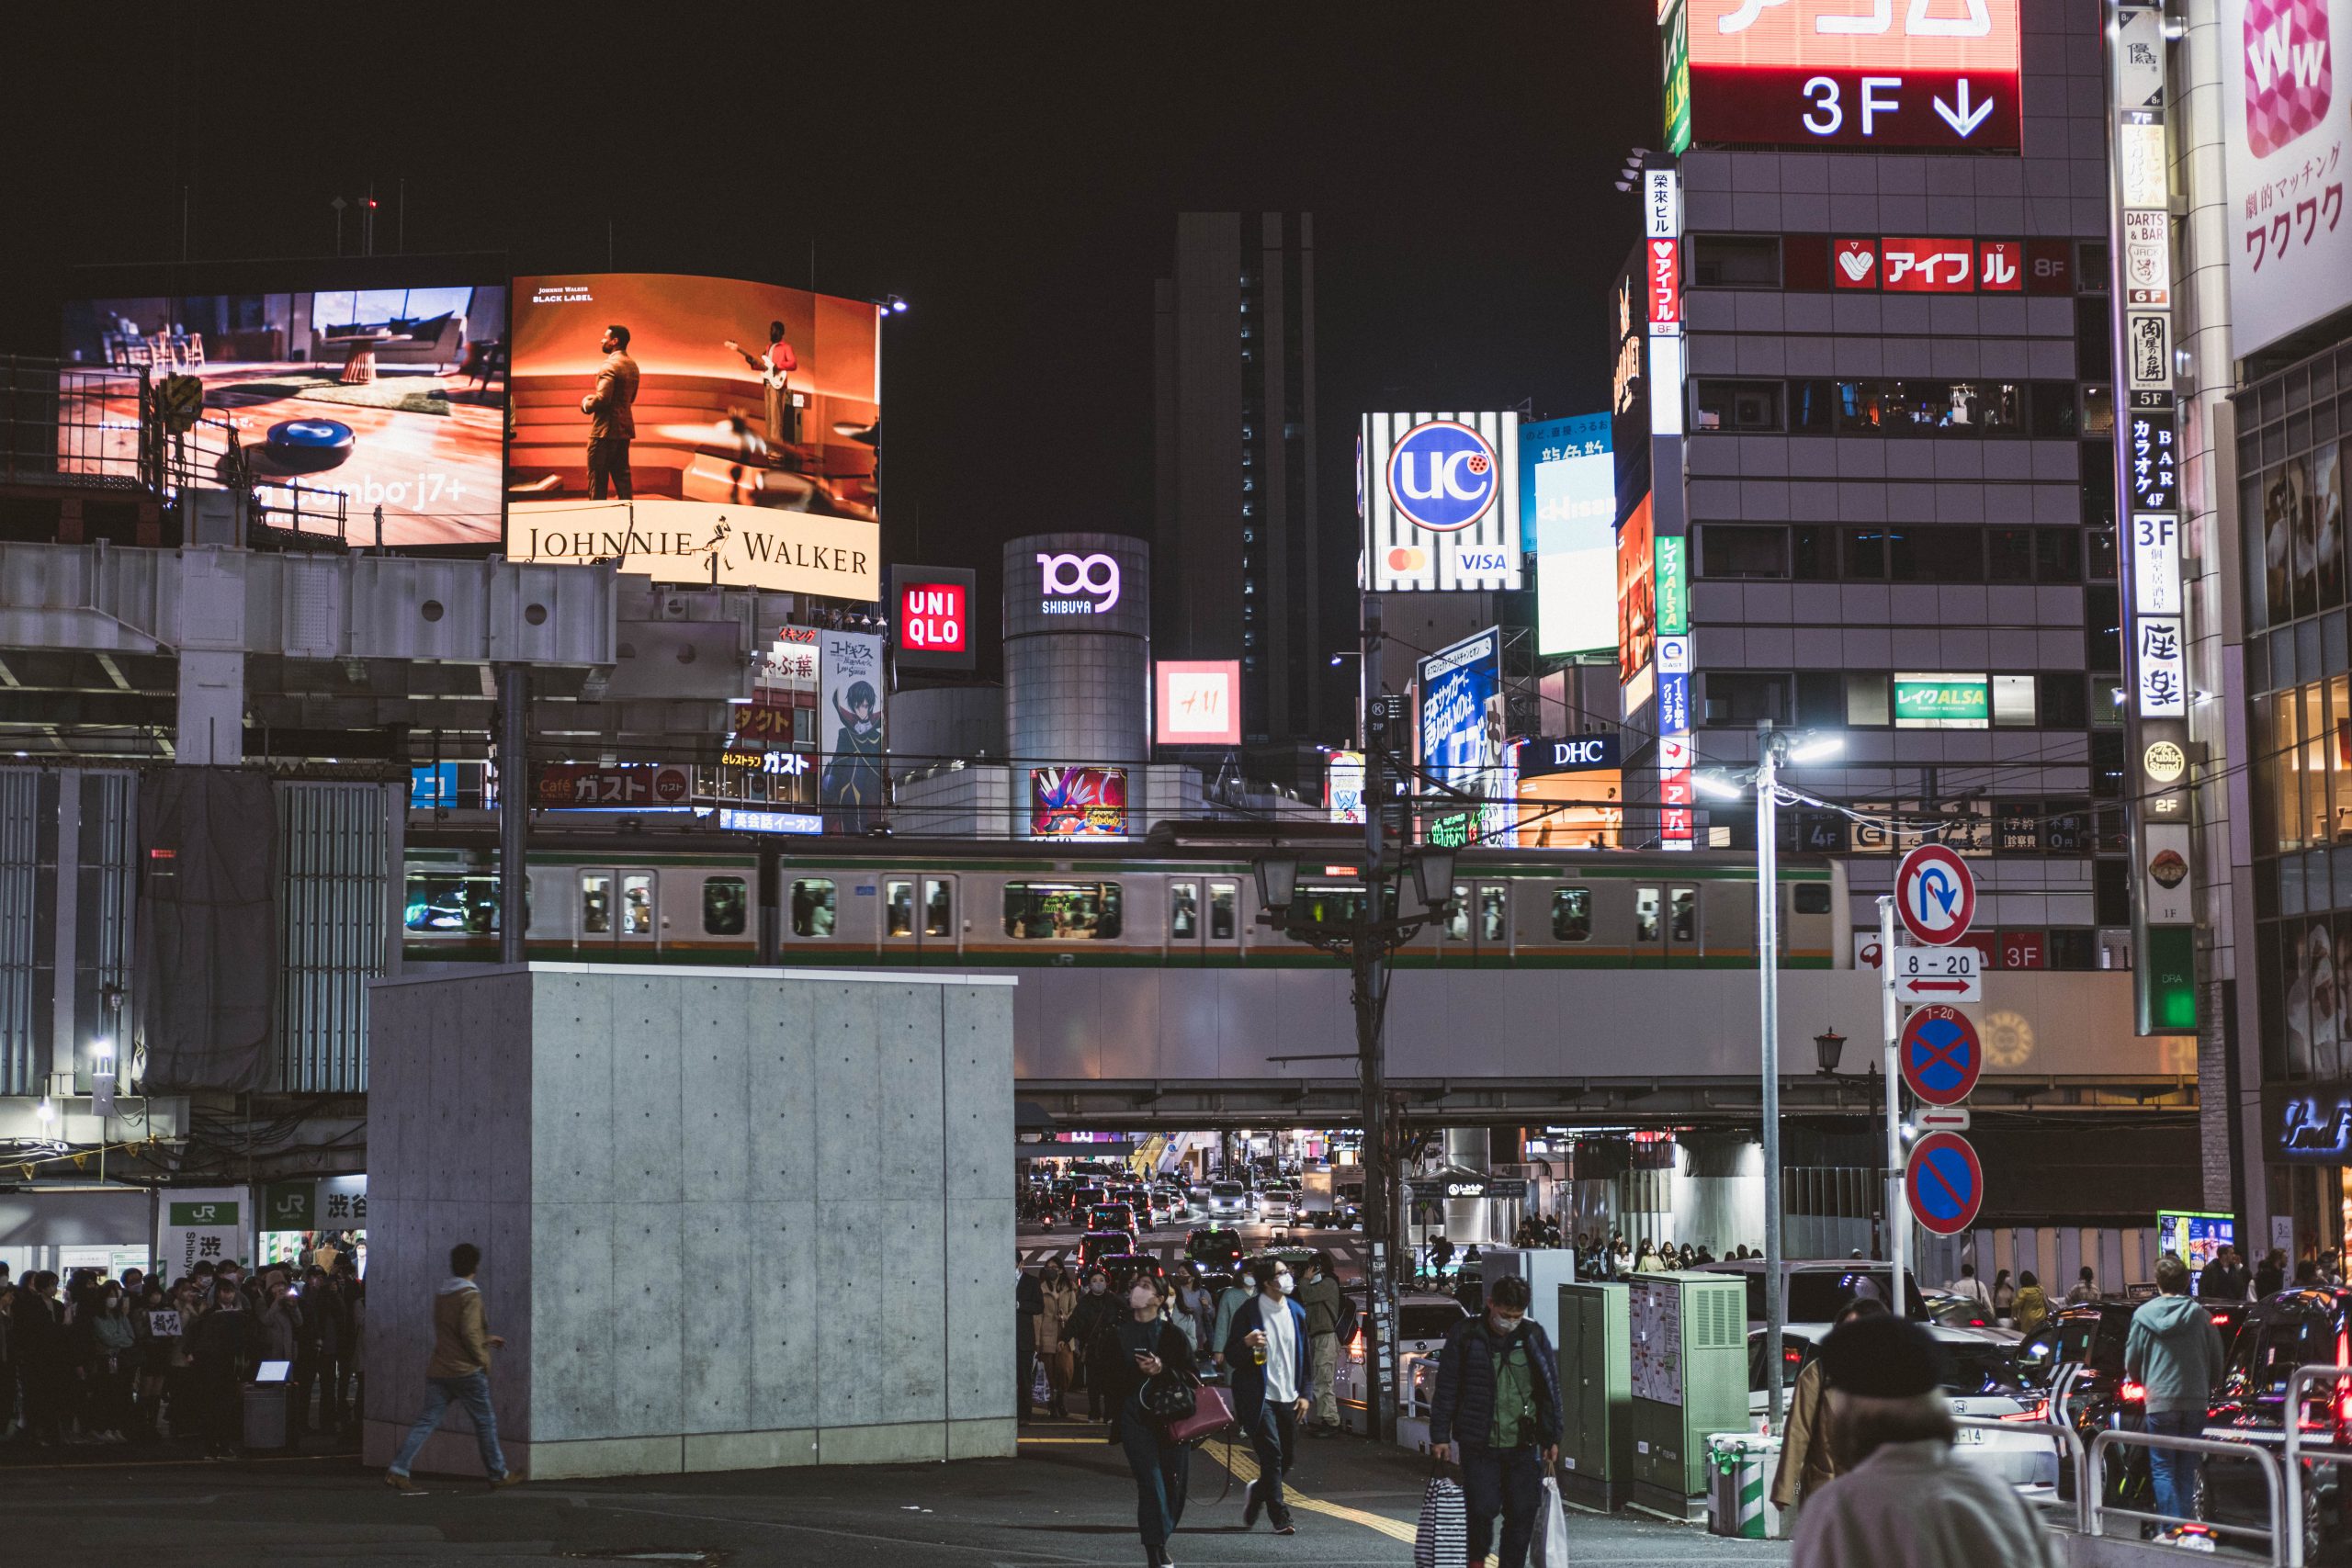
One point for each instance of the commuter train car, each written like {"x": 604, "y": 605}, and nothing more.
{"x": 1176, "y": 899}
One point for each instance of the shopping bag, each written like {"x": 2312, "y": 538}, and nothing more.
{"x": 1552, "y": 1528}
{"x": 1443, "y": 1538}
{"x": 1041, "y": 1387}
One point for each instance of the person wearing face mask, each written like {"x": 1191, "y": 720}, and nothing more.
{"x": 110, "y": 1367}
{"x": 1273, "y": 1370}
{"x": 1127, "y": 1351}
{"x": 1095, "y": 1308}
{"x": 1497, "y": 1413}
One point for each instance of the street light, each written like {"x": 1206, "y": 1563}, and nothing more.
{"x": 1830, "y": 1045}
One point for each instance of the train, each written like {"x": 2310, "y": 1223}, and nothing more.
{"x": 1183, "y": 895}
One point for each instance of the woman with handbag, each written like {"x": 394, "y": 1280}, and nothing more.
{"x": 1061, "y": 1300}
{"x": 1148, "y": 1376}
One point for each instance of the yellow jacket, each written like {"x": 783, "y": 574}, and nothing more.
{"x": 460, "y": 1331}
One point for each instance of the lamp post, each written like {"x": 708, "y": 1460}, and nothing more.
{"x": 1773, "y": 749}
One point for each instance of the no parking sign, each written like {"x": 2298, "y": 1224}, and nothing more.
{"x": 1944, "y": 1182}
{"x": 1941, "y": 1055}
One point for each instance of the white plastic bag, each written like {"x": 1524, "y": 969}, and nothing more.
{"x": 1552, "y": 1528}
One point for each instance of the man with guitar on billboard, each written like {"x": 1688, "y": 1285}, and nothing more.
{"x": 774, "y": 370}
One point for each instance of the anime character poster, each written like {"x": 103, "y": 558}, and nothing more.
{"x": 851, "y": 710}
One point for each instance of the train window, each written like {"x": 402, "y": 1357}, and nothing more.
{"x": 1457, "y": 915}
{"x": 1646, "y": 910}
{"x": 1494, "y": 914}
{"x": 938, "y": 906}
{"x": 1571, "y": 914}
{"x": 899, "y": 903}
{"x": 595, "y": 903}
{"x": 812, "y": 908}
{"x": 1684, "y": 923}
{"x": 454, "y": 905}
{"x": 1812, "y": 898}
{"x": 1061, "y": 911}
{"x": 722, "y": 906}
{"x": 1183, "y": 910}
{"x": 1225, "y": 899}
{"x": 637, "y": 904}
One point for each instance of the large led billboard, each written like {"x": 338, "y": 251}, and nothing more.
{"x": 1460, "y": 741}
{"x": 1862, "y": 74}
{"x": 1439, "y": 495}
{"x": 698, "y": 429}
{"x": 1637, "y": 594}
{"x": 1568, "y": 477}
{"x": 2282, "y": 130}
{"x": 1197, "y": 702}
{"x": 365, "y": 402}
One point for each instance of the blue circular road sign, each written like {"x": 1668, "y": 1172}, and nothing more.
{"x": 1944, "y": 1182}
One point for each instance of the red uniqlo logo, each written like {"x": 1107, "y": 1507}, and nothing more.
{"x": 1666, "y": 292}
{"x": 1928, "y": 267}
{"x": 1855, "y": 264}
{"x": 2290, "y": 75}
{"x": 932, "y": 618}
{"x": 2000, "y": 266}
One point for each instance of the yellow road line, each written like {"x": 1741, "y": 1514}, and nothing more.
{"x": 1244, "y": 1466}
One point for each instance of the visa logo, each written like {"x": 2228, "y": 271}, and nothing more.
{"x": 1479, "y": 560}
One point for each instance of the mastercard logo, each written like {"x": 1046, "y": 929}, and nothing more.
{"x": 1408, "y": 560}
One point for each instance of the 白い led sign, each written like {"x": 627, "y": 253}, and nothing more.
{"x": 1878, "y": 74}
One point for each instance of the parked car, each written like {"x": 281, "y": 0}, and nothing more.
{"x": 2268, "y": 1341}
{"x": 1423, "y": 1320}
{"x": 1816, "y": 1290}
{"x": 2081, "y": 1348}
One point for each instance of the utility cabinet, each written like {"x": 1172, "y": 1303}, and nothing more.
{"x": 1596, "y": 1394}
{"x": 1545, "y": 1269}
{"x": 1688, "y": 1351}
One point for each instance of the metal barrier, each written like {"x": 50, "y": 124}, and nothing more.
{"x": 2298, "y": 1382}
{"x": 2069, "y": 1446}
{"x": 2091, "y": 1487}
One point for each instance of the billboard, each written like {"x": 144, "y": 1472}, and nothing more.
{"x": 1931, "y": 73}
{"x": 1568, "y": 792}
{"x": 1198, "y": 703}
{"x": 1568, "y": 488}
{"x": 1676, "y": 89}
{"x": 1343, "y": 787}
{"x": 930, "y": 617}
{"x": 1078, "y": 803}
{"x": 2283, "y": 133}
{"x": 1461, "y": 739}
{"x": 1441, "y": 501}
{"x": 387, "y": 398}
{"x": 699, "y": 429}
{"x": 1636, "y": 602}
{"x": 851, "y": 710}
{"x": 2194, "y": 1237}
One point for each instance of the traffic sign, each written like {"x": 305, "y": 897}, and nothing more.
{"x": 1935, "y": 895}
{"x": 179, "y": 400}
{"x": 1954, "y": 1120}
{"x": 1941, "y": 1055}
{"x": 1938, "y": 974}
{"x": 1944, "y": 1182}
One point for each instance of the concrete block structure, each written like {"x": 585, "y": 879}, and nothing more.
{"x": 728, "y": 1220}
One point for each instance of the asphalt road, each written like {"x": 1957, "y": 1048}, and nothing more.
{"x": 1066, "y": 1500}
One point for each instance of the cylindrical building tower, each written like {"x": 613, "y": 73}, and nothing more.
{"x": 1077, "y": 654}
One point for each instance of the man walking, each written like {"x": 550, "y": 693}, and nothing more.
{"x": 611, "y": 425}
{"x": 2174, "y": 1352}
{"x": 1968, "y": 1287}
{"x": 1497, "y": 1413}
{"x": 1320, "y": 1299}
{"x": 1268, "y": 1356}
{"x": 459, "y": 1371}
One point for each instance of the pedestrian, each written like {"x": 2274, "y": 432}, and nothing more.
{"x": 222, "y": 1351}
{"x": 1061, "y": 1293}
{"x": 1093, "y": 1310}
{"x": 2033, "y": 1304}
{"x": 1968, "y": 1287}
{"x": 2270, "y": 1274}
{"x": 1028, "y": 1306}
{"x": 2174, "y": 1352}
{"x": 1901, "y": 1498}
{"x": 2086, "y": 1290}
{"x": 110, "y": 1367}
{"x": 2005, "y": 1297}
{"x": 1321, "y": 1300}
{"x": 1126, "y": 1352}
{"x": 8, "y": 1355}
{"x": 1229, "y": 1303}
{"x": 459, "y": 1373}
{"x": 1808, "y": 1454}
{"x": 1648, "y": 1262}
{"x": 1271, "y": 1372}
{"x": 153, "y": 1357}
{"x": 1440, "y": 1255}
{"x": 1495, "y": 1411}
{"x": 1194, "y": 1300}
{"x": 42, "y": 1358}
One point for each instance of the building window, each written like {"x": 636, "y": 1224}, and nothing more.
{"x": 1743, "y": 698}
{"x": 1734, "y": 260}
{"x": 2013, "y": 701}
{"x": 1733, "y": 550}
{"x": 1866, "y": 701}
{"x": 1735, "y": 405}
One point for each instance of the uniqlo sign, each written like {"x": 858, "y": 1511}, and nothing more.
{"x": 1665, "y": 286}
{"x": 931, "y": 614}
{"x": 1928, "y": 267}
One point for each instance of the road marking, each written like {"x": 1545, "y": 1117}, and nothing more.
{"x": 1244, "y": 1467}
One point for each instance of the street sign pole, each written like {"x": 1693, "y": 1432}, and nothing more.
{"x": 1898, "y": 1225}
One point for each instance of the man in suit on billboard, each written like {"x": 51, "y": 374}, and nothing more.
{"x": 611, "y": 425}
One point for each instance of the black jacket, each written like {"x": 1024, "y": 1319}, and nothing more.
{"x": 1112, "y": 1369}
{"x": 223, "y": 1346}
{"x": 1090, "y": 1314}
{"x": 1463, "y": 1407}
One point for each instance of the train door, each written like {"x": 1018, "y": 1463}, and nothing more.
{"x": 920, "y": 919}
{"x": 620, "y": 912}
{"x": 1224, "y": 944}
{"x": 1187, "y": 923}
{"x": 1490, "y": 931}
{"x": 1686, "y": 929}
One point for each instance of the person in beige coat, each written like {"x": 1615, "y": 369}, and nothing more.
{"x": 459, "y": 1373}
{"x": 1061, "y": 1300}
{"x": 1808, "y": 1460}
{"x": 612, "y": 424}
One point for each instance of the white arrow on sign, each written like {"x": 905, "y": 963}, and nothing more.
{"x": 1938, "y": 974}
{"x": 1963, "y": 118}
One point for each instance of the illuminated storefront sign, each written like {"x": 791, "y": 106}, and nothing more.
{"x": 1343, "y": 787}
{"x": 1199, "y": 702}
{"x": 742, "y": 819}
{"x": 1461, "y": 733}
{"x": 1078, "y": 803}
{"x": 930, "y": 618}
{"x": 2283, "y": 132}
{"x": 1441, "y": 501}
{"x": 1079, "y": 585}
{"x": 1570, "y": 479}
{"x": 1950, "y": 701}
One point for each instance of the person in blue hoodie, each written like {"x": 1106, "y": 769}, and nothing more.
{"x": 2174, "y": 1352}
{"x": 1273, "y": 1372}
{"x": 1497, "y": 1413}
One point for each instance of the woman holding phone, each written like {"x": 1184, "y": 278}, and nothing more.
{"x": 1125, "y": 1354}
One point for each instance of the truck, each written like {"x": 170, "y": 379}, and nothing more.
{"x": 1318, "y": 1200}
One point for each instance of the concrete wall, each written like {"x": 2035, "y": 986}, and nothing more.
{"x": 730, "y": 1220}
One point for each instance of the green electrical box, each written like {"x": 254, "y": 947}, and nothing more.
{"x": 1688, "y": 1335}
{"x": 1597, "y": 1393}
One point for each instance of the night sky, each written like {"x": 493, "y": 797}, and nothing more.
{"x": 1013, "y": 170}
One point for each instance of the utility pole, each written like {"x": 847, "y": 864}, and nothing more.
{"x": 1768, "y": 976}
{"x": 1370, "y": 985}
{"x": 1898, "y": 1222}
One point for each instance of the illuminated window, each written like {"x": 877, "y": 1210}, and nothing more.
{"x": 812, "y": 908}
{"x": 1183, "y": 909}
{"x": 938, "y": 906}
{"x": 1061, "y": 911}
{"x": 723, "y": 906}
{"x": 899, "y": 905}
{"x": 1571, "y": 914}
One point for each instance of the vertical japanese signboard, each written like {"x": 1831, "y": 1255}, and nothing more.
{"x": 2148, "y": 460}
{"x": 1676, "y": 22}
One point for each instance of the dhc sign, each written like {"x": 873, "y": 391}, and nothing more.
{"x": 1567, "y": 754}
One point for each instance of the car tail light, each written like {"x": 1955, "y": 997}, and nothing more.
{"x": 2037, "y": 1411}
{"x": 2132, "y": 1392}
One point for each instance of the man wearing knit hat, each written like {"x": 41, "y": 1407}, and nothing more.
{"x": 1902, "y": 1499}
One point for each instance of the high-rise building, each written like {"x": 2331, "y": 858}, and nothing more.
{"x": 1238, "y": 573}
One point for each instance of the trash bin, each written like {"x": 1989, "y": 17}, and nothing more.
{"x": 265, "y": 1416}
{"x": 1742, "y": 1464}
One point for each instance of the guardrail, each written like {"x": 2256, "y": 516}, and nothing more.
{"x": 2091, "y": 1487}
{"x": 2069, "y": 1444}
{"x": 2299, "y": 1383}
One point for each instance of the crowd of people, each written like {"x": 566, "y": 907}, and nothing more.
{"x": 93, "y": 1359}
